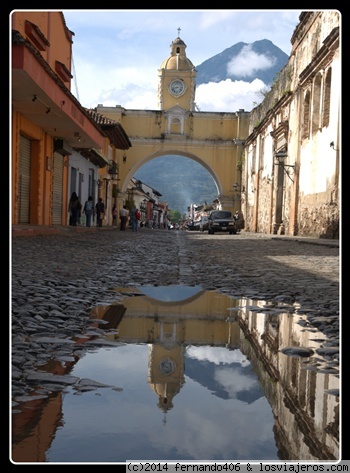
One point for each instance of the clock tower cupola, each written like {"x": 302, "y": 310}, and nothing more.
{"x": 177, "y": 79}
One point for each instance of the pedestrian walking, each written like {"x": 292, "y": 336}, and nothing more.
{"x": 88, "y": 211}
{"x": 135, "y": 218}
{"x": 100, "y": 212}
{"x": 114, "y": 215}
{"x": 123, "y": 215}
{"x": 74, "y": 209}
{"x": 239, "y": 218}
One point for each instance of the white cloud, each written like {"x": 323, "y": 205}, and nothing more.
{"x": 229, "y": 96}
{"x": 216, "y": 355}
{"x": 225, "y": 96}
{"x": 247, "y": 63}
{"x": 216, "y": 17}
{"x": 117, "y": 53}
{"x": 234, "y": 382}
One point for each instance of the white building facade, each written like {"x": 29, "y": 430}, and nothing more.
{"x": 291, "y": 161}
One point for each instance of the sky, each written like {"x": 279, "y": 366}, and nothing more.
{"x": 117, "y": 53}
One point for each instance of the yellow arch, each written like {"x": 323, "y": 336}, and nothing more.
{"x": 158, "y": 154}
{"x": 213, "y": 139}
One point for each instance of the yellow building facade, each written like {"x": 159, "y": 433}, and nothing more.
{"x": 50, "y": 130}
{"x": 168, "y": 327}
{"x": 212, "y": 139}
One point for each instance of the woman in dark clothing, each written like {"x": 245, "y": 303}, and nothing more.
{"x": 74, "y": 209}
{"x": 100, "y": 210}
{"x": 89, "y": 211}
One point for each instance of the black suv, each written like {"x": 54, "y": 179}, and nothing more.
{"x": 221, "y": 221}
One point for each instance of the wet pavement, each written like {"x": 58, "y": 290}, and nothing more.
{"x": 58, "y": 274}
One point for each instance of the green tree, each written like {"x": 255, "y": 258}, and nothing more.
{"x": 174, "y": 216}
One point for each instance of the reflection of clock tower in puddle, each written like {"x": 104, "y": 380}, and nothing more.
{"x": 176, "y": 88}
{"x": 166, "y": 364}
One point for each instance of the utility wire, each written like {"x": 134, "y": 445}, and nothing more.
{"x": 75, "y": 79}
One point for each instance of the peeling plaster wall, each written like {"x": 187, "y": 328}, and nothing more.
{"x": 303, "y": 196}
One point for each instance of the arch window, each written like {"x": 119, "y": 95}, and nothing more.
{"x": 176, "y": 120}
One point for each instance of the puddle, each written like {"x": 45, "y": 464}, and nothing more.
{"x": 181, "y": 373}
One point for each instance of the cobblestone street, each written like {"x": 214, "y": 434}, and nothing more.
{"x": 58, "y": 278}
{"x": 247, "y": 264}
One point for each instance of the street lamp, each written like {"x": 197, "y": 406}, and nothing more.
{"x": 238, "y": 188}
{"x": 280, "y": 157}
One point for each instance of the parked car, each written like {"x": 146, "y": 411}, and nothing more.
{"x": 203, "y": 223}
{"x": 221, "y": 221}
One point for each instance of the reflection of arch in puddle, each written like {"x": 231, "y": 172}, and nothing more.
{"x": 168, "y": 324}
{"x": 198, "y": 303}
{"x": 176, "y": 294}
{"x": 166, "y": 373}
{"x": 111, "y": 315}
{"x": 204, "y": 318}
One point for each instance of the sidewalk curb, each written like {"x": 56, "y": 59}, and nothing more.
{"x": 32, "y": 230}
{"x": 310, "y": 241}
{"x": 26, "y": 230}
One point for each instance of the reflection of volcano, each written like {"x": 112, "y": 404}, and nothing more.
{"x": 208, "y": 374}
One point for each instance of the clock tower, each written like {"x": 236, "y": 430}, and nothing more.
{"x": 177, "y": 79}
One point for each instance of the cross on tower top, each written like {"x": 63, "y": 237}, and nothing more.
{"x": 178, "y": 32}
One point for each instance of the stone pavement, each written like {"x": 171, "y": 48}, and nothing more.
{"x": 60, "y": 273}
{"x": 30, "y": 230}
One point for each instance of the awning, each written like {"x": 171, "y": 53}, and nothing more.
{"x": 94, "y": 156}
{"x": 112, "y": 129}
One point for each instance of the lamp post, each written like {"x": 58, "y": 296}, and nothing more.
{"x": 280, "y": 157}
{"x": 239, "y": 193}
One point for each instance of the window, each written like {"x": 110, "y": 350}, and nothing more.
{"x": 316, "y": 103}
{"x": 326, "y": 98}
{"x": 306, "y": 115}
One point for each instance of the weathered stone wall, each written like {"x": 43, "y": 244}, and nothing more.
{"x": 318, "y": 217}
{"x": 280, "y": 87}
{"x": 248, "y": 216}
{"x": 264, "y": 213}
{"x": 296, "y": 130}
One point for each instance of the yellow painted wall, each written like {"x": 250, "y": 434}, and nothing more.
{"x": 208, "y": 138}
{"x": 204, "y": 318}
{"x": 52, "y": 26}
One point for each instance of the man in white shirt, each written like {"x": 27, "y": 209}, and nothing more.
{"x": 123, "y": 214}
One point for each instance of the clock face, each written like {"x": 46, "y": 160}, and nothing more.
{"x": 167, "y": 366}
{"x": 176, "y": 87}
